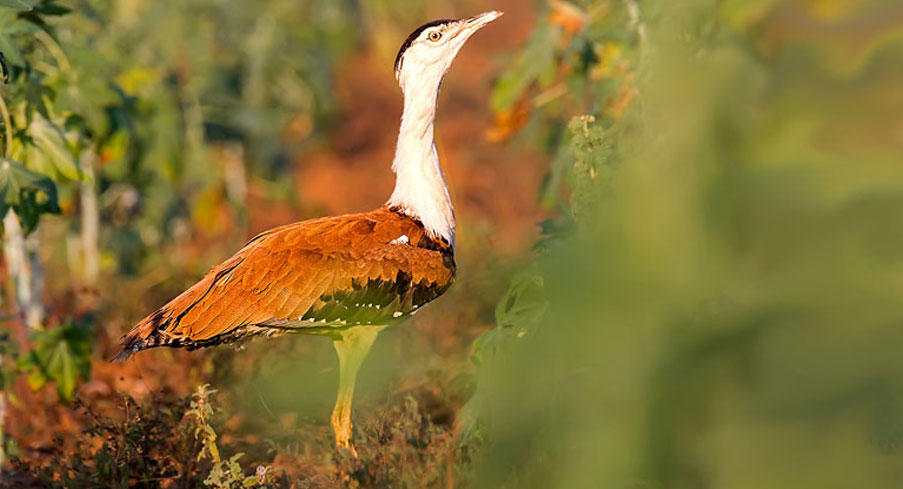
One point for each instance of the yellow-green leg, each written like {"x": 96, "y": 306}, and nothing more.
{"x": 352, "y": 348}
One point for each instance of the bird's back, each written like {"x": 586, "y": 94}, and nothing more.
{"x": 313, "y": 276}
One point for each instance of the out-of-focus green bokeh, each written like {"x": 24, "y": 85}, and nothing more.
{"x": 728, "y": 312}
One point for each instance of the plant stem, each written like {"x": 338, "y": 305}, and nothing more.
{"x": 7, "y": 126}
{"x": 21, "y": 256}
{"x": 90, "y": 220}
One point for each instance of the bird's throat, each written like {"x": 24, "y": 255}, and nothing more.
{"x": 420, "y": 188}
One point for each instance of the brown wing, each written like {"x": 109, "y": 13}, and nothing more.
{"x": 371, "y": 268}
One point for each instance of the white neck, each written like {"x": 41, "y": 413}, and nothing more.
{"x": 420, "y": 189}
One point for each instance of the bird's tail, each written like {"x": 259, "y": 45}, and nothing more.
{"x": 125, "y": 353}
{"x": 144, "y": 335}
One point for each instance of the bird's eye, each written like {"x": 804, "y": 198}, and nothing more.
{"x": 435, "y": 36}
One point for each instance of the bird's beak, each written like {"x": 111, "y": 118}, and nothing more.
{"x": 477, "y": 22}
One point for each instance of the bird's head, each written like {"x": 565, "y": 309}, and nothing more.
{"x": 427, "y": 53}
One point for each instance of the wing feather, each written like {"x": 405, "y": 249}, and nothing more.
{"x": 314, "y": 270}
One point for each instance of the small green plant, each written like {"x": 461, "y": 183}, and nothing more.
{"x": 224, "y": 474}
{"x": 61, "y": 355}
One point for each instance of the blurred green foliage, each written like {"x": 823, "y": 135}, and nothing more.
{"x": 163, "y": 86}
{"x": 725, "y": 311}
{"x": 60, "y": 355}
{"x": 36, "y": 151}
{"x": 27, "y": 193}
{"x": 224, "y": 474}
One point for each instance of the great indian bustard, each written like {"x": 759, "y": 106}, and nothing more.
{"x": 346, "y": 277}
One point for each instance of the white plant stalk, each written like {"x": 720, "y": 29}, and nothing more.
{"x": 25, "y": 271}
{"x": 90, "y": 221}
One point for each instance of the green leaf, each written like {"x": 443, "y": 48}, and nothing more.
{"x": 519, "y": 311}
{"x": 48, "y": 153}
{"x": 10, "y": 51}
{"x": 37, "y": 97}
{"x": 523, "y": 305}
{"x": 36, "y": 379}
{"x": 59, "y": 355}
{"x": 50, "y": 7}
{"x": 60, "y": 368}
{"x": 488, "y": 343}
{"x": 29, "y": 194}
